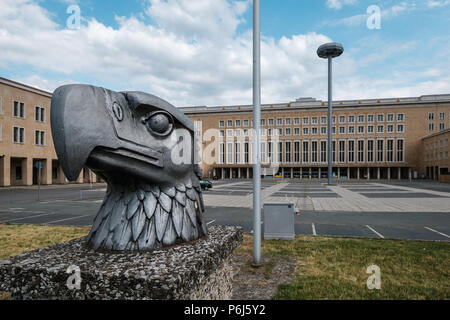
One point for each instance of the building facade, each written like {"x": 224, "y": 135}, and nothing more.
{"x": 26, "y": 138}
{"x": 404, "y": 138}
{"x": 372, "y": 139}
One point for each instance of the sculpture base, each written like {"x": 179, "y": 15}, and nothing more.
{"x": 198, "y": 270}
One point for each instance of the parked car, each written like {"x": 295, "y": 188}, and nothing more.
{"x": 205, "y": 184}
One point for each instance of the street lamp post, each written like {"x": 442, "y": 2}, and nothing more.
{"x": 330, "y": 51}
{"x": 256, "y": 133}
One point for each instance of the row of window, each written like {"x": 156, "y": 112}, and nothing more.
{"x": 19, "y": 136}
{"x": 436, "y": 144}
{"x": 350, "y": 151}
{"x": 441, "y": 115}
{"x": 315, "y": 120}
{"x": 19, "y": 111}
{"x": 441, "y": 126}
{"x": 314, "y": 131}
{"x": 434, "y": 156}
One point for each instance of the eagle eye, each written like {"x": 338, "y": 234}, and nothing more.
{"x": 117, "y": 110}
{"x": 159, "y": 123}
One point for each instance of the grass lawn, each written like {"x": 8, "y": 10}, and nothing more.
{"x": 16, "y": 239}
{"x": 335, "y": 268}
{"x": 328, "y": 268}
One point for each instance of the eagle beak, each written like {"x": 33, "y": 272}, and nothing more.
{"x": 78, "y": 123}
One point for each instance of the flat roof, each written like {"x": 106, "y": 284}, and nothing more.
{"x": 25, "y": 87}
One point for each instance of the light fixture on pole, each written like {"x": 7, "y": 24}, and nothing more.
{"x": 256, "y": 134}
{"x": 330, "y": 51}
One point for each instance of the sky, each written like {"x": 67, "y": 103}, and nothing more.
{"x": 199, "y": 52}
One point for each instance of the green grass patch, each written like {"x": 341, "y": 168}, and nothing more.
{"x": 335, "y": 268}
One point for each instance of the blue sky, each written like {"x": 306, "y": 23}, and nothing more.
{"x": 198, "y": 52}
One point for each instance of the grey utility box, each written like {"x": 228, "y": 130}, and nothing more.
{"x": 279, "y": 220}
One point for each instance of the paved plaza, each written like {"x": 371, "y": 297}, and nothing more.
{"x": 378, "y": 209}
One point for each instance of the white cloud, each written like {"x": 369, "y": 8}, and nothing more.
{"x": 338, "y": 4}
{"x": 438, "y": 3}
{"x": 194, "y": 56}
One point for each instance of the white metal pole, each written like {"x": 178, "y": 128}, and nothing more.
{"x": 256, "y": 133}
{"x": 330, "y": 114}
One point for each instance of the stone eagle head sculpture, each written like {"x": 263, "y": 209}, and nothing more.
{"x": 143, "y": 147}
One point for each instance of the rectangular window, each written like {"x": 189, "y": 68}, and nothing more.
{"x": 341, "y": 130}
{"x": 380, "y": 117}
{"x": 369, "y": 129}
{"x": 229, "y": 153}
{"x": 222, "y": 133}
{"x": 430, "y": 126}
{"x": 441, "y": 126}
{"x": 246, "y": 154}
{"x": 288, "y": 152}
{"x": 271, "y": 122}
{"x": 323, "y": 120}
{"x": 287, "y": 121}
{"x": 280, "y": 152}
{"x": 18, "y": 109}
{"x": 314, "y": 120}
{"x": 400, "y": 146}
{"x": 430, "y": 116}
{"x": 237, "y": 153}
{"x": 323, "y": 151}
{"x": 341, "y": 119}
{"x": 390, "y": 117}
{"x": 361, "y": 151}
{"x": 305, "y": 120}
{"x": 370, "y": 118}
{"x": 380, "y": 151}
{"x": 351, "y": 119}
{"x": 263, "y": 122}
{"x": 237, "y": 133}
{"x": 279, "y": 121}
{"x": 270, "y": 132}
{"x": 245, "y": 123}
{"x": 351, "y": 151}
{"x": 370, "y": 151}
{"x": 314, "y": 131}
{"x": 333, "y": 130}
{"x": 270, "y": 151}
{"x": 237, "y": 123}
{"x": 390, "y": 150}
{"x": 280, "y": 131}
{"x": 341, "y": 151}
{"x": 229, "y": 123}
{"x": 18, "y": 135}
{"x": 288, "y": 131}
{"x": 305, "y": 156}
{"x": 360, "y": 129}
{"x": 380, "y": 128}
{"x": 333, "y": 146}
{"x": 296, "y": 131}
{"x": 351, "y": 130}
{"x": 441, "y": 116}
{"x": 263, "y": 152}
{"x": 314, "y": 151}
{"x": 221, "y": 153}
{"x": 400, "y": 117}
{"x": 305, "y": 131}
{"x": 390, "y": 128}
{"x": 296, "y": 121}
{"x": 221, "y": 123}
{"x": 229, "y": 133}
{"x": 323, "y": 130}
{"x": 296, "y": 151}
{"x": 361, "y": 118}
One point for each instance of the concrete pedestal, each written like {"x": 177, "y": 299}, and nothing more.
{"x": 198, "y": 270}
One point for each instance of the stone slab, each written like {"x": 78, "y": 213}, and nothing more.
{"x": 197, "y": 270}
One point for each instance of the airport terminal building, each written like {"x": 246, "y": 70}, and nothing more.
{"x": 398, "y": 138}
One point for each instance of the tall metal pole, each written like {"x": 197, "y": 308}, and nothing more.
{"x": 330, "y": 111}
{"x": 256, "y": 133}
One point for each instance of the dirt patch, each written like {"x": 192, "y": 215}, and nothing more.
{"x": 250, "y": 283}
